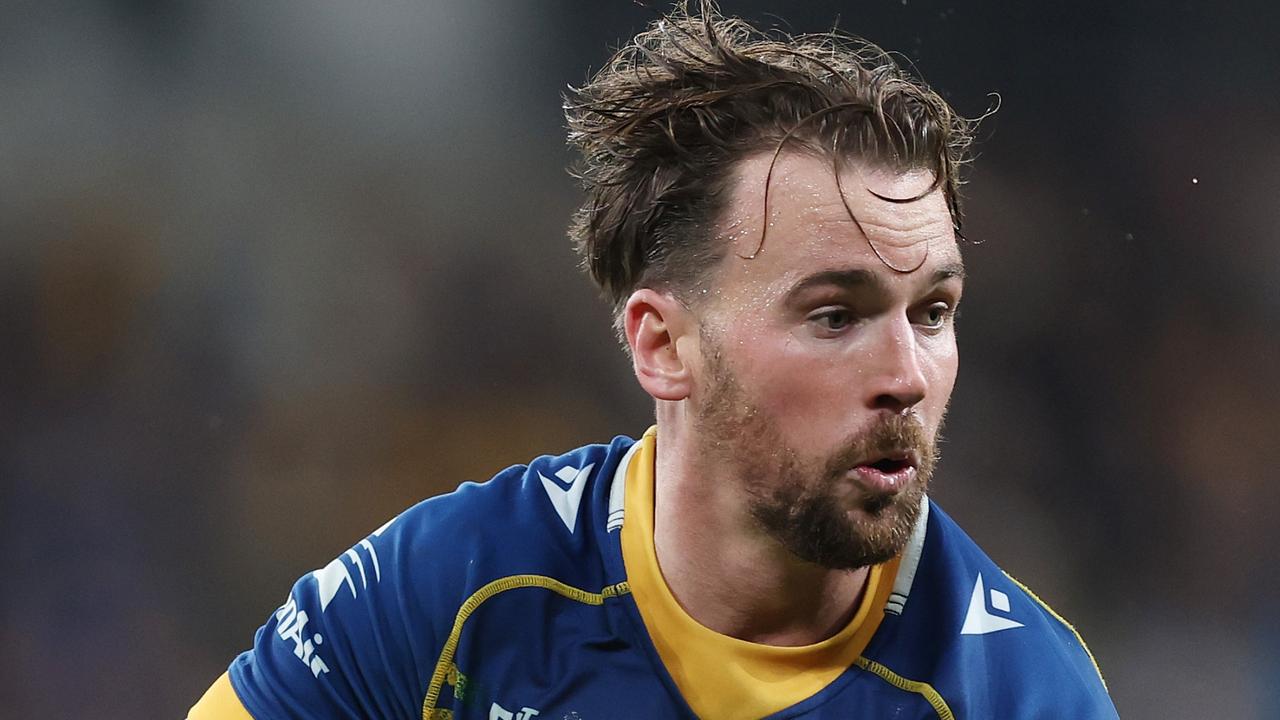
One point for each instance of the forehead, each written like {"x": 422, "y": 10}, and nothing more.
{"x": 808, "y": 218}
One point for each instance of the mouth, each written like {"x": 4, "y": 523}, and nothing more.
{"x": 892, "y": 464}
{"x": 887, "y": 474}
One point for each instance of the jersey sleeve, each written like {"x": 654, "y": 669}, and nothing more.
{"x": 349, "y": 641}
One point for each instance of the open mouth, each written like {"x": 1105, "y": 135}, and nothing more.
{"x": 890, "y": 465}
{"x": 886, "y": 475}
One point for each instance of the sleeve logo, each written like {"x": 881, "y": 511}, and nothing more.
{"x": 332, "y": 577}
{"x": 291, "y": 620}
{"x": 291, "y": 625}
{"x": 565, "y": 492}
{"x": 979, "y": 620}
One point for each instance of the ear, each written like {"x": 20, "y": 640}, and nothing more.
{"x": 663, "y": 337}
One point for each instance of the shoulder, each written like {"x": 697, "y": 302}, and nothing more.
{"x": 984, "y": 639}
{"x": 366, "y": 629}
{"x": 552, "y": 503}
{"x": 993, "y": 600}
{"x": 537, "y": 518}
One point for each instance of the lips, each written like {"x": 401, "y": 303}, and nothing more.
{"x": 887, "y": 474}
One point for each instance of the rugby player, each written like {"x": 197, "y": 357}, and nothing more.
{"x": 775, "y": 221}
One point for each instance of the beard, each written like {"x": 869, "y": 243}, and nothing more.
{"x": 810, "y": 505}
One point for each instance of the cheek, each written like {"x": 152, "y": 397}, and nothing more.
{"x": 940, "y": 368}
{"x": 793, "y": 383}
{"x": 813, "y": 389}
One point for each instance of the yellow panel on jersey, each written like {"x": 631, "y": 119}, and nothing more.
{"x": 219, "y": 703}
{"x": 721, "y": 676}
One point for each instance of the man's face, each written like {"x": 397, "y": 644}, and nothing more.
{"x": 825, "y": 372}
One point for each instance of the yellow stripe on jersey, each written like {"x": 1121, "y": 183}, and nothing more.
{"x": 1068, "y": 625}
{"x": 721, "y": 676}
{"x": 932, "y": 696}
{"x": 501, "y": 585}
{"x": 220, "y": 702}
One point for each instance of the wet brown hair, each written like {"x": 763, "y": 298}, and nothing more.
{"x": 662, "y": 126}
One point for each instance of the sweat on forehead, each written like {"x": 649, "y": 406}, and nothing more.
{"x": 800, "y": 198}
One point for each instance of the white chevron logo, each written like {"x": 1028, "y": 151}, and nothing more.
{"x": 980, "y": 621}
{"x": 333, "y": 576}
{"x": 565, "y": 492}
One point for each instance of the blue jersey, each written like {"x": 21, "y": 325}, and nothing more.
{"x": 509, "y": 600}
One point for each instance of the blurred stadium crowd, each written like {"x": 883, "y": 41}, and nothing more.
{"x": 272, "y": 272}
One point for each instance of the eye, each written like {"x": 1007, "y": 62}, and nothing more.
{"x": 833, "y": 319}
{"x": 934, "y": 315}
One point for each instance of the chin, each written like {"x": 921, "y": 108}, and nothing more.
{"x": 817, "y": 530}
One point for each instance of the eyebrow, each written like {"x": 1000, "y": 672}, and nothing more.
{"x": 855, "y": 278}
{"x": 948, "y": 271}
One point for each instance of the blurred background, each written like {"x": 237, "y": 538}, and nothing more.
{"x": 271, "y": 272}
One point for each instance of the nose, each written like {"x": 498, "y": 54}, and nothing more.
{"x": 896, "y": 376}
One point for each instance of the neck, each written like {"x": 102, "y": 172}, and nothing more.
{"x": 724, "y": 570}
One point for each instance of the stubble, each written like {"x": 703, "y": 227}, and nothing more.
{"x": 810, "y": 505}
